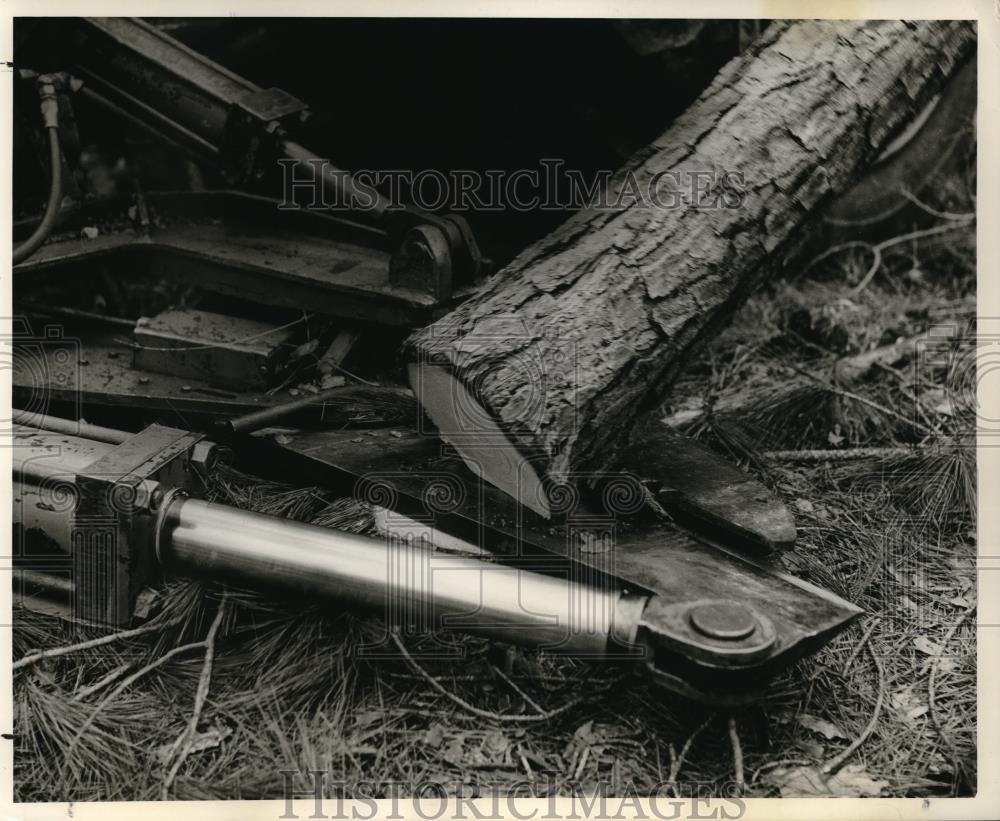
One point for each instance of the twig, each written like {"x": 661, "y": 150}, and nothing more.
{"x": 876, "y": 406}
{"x": 55, "y": 652}
{"x": 861, "y": 645}
{"x": 858, "y": 398}
{"x": 957, "y": 221}
{"x": 889, "y": 243}
{"x": 477, "y": 711}
{"x": 678, "y": 762}
{"x": 201, "y": 695}
{"x": 781, "y": 762}
{"x": 355, "y": 376}
{"x": 835, "y": 763}
{"x": 932, "y": 681}
{"x": 836, "y": 249}
{"x": 115, "y": 674}
{"x": 125, "y": 684}
{"x": 136, "y": 346}
{"x": 510, "y": 683}
{"x": 872, "y": 270}
{"x": 734, "y": 739}
{"x": 835, "y": 455}
{"x": 945, "y": 215}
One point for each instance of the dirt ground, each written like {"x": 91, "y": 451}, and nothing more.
{"x": 224, "y": 689}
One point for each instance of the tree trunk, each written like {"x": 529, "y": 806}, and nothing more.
{"x": 540, "y": 376}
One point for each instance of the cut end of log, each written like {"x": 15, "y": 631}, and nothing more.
{"x": 467, "y": 426}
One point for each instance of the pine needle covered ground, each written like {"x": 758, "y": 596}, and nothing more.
{"x": 223, "y": 690}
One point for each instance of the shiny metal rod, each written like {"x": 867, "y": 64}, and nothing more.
{"x": 410, "y": 585}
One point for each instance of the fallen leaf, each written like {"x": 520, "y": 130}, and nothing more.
{"x": 925, "y": 645}
{"x": 945, "y": 408}
{"x": 917, "y": 711}
{"x": 496, "y": 743}
{"x": 454, "y": 753}
{"x": 144, "y": 602}
{"x": 585, "y": 733}
{"x": 945, "y": 663}
{"x": 852, "y": 781}
{"x": 434, "y": 735}
{"x": 903, "y": 700}
{"x": 200, "y": 741}
{"x": 305, "y": 349}
{"x": 366, "y": 718}
{"x": 825, "y": 728}
{"x": 895, "y": 574}
{"x": 813, "y": 748}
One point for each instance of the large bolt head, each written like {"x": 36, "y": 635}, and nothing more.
{"x": 729, "y": 621}
{"x": 148, "y": 494}
{"x": 203, "y": 456}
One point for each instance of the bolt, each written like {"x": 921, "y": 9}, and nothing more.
{"x": 156, "y": 498}
{"x": 147, "y": 495}
{"x": 725, "y": 620}
{"x": 203, "y": 456}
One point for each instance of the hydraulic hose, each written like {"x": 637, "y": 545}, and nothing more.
{"x": 50, "y": 115}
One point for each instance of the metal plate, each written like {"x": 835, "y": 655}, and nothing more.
{"x": 700, "y": 487}
{"x": 227, "y": 352}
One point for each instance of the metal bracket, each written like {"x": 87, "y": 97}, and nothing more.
{"x": 254, "y": 128}
{"x": 112, "y": 532}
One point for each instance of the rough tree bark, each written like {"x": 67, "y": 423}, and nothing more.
{"x": 543, "y": 372}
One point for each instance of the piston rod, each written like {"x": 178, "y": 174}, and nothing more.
{"x": 393, "y": 576}
{"x": 409, "y": 584}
